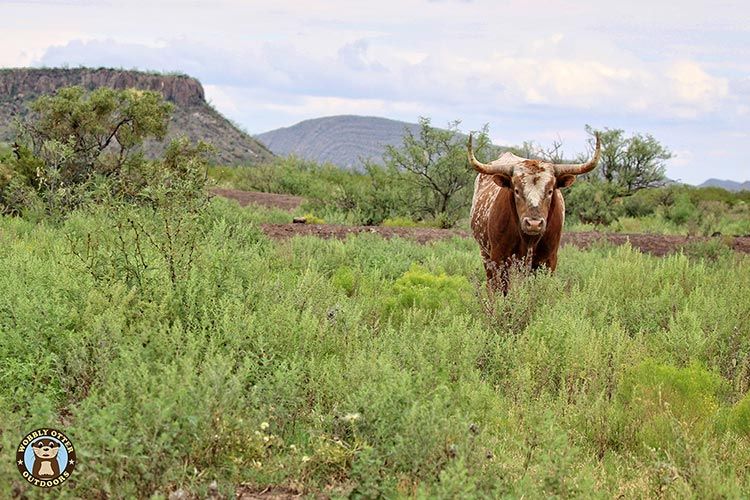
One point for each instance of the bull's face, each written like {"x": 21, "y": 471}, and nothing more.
{"x": 533, "y": 185}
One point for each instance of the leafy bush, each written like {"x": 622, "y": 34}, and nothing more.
{"x": 712, "y": 249}
{"x": 682, "y": 211}
{"x": 311, "y": 218}
{"x": 739, "y": 416}
{"x": 592, "y": 202}
{"x": 638, "y": 206}
{"x": 345, "y": 279}
{"x": 419, "y": 288}
{"x": 658, "y": 402}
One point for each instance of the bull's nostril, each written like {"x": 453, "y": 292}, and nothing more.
{"x": 535, "y": 224}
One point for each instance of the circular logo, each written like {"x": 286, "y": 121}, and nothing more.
{"x": 46, "y": 457}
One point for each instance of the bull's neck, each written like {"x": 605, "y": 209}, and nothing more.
{"x": 528, "y": 245}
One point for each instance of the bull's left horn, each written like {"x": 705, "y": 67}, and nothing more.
{"x": 487, "y": 168}
{"x": 581, "y": 168}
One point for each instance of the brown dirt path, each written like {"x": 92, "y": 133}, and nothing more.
{"x": 270, "y": 200}
{"x": 327, "y": 231}
{"x": 249, "y": 492}
{"x": 655, "y": 244}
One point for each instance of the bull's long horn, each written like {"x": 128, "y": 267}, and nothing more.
{"x": 487, "y": 168}
{"x": 580, "y": 168}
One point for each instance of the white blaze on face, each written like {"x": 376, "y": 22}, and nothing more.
{"x": 535, "y": 187}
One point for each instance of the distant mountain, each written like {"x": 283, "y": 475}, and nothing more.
{"x": 343, "y": 140}
{"x": 192, "y": 115}
{"x": 728, "y": 185}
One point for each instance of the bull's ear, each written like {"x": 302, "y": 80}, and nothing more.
{"x": 502, "y": 180}
{"x": 564, "y": 181}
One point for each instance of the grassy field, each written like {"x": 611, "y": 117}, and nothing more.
{"x": 371, "y": 368}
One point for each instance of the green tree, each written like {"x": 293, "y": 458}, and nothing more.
{"x": 434, "y": 164}
{"x": 172, "y": 192}
{"x": 73, "y": 137}
{"x": 630, "y": 163}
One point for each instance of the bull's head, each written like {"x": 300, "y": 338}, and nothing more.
{"x": 533, "y": 183}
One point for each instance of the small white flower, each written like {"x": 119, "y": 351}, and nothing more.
{"x": 305, "y": 458}
{"x": 351, "y": 417}
{"x": 264, "y": 426}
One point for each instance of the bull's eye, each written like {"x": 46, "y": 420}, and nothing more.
{"x": 549, "y": 193}
{"x": 516, "y": 191}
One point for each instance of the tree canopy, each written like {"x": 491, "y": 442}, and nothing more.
{"x": 630, "y": 163}
{"x": 434, "y": 163}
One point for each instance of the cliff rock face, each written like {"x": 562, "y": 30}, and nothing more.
{"x": 192, "y": 116}
{"x": 179, "y": 89}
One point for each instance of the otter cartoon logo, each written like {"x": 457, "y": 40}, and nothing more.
{"x": 45, "y": 457}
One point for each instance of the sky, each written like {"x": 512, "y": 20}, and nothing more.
{"x": 531, "y": 70}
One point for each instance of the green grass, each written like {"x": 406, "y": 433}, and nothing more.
{"x": 375, "y": 367}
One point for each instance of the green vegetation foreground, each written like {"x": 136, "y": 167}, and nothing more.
{"x": 372, "y": 367}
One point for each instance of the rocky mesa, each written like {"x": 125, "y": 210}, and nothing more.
{"x": 192, "y": 117}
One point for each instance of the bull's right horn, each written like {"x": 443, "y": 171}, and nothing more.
{"x": 581, "y": 168}
{"x": 493, "y": 168}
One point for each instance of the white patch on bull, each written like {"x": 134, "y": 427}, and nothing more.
{"x": 535, "y": 186}
{"x": 485, "y": 192}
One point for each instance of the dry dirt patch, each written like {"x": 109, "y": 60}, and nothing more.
{"x": 270, "y": 200}
{"x": 249, "y": 492}
{"x": 655, "y": 244}
{"x": 337, "y": 231}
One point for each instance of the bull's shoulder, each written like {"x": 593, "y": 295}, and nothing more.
{"x": 485, "y": 195}
{"x": 485, "y": 191}
{"x": 485, "y": 183}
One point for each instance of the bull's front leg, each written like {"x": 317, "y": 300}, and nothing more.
{"x": 549, "y": 261}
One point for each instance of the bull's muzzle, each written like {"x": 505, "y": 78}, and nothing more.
{"x": 533, "y": 226}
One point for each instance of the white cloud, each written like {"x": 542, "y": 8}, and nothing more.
{"x": 694, "y": 87}
{"x": 531, "y": 69}
{"x": 23, "y": 46}
{"x": 682, "y": 158}
{"x": 353, "y": 70}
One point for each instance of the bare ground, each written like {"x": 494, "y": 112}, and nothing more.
{"x": 655, "y": 244}
{"x": 250, "y": 492}
{"x": 270, "y": 200}
{"x": 328, "y": 231}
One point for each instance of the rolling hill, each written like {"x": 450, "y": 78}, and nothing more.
{"x": 343, "y": 140}
{"x": 346, "y": 140}
{"x": 192, "y": 116}
{"x": 728, "y": 185}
